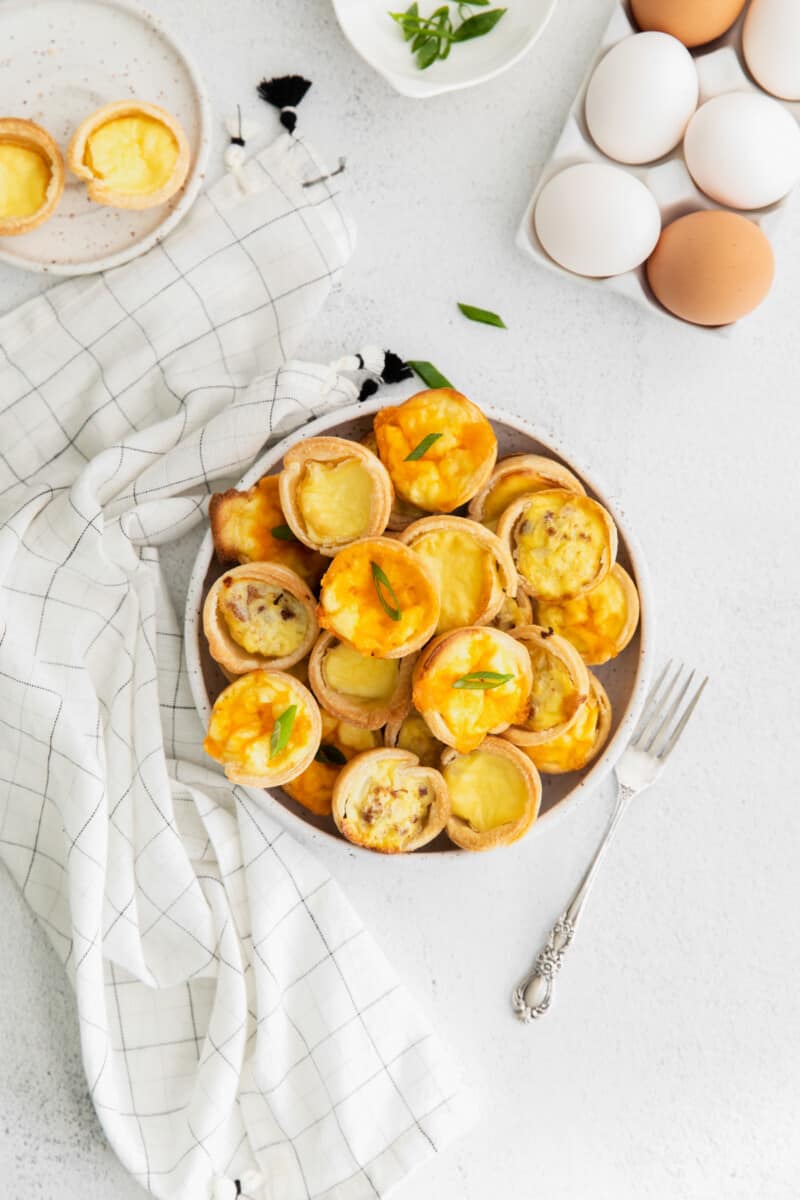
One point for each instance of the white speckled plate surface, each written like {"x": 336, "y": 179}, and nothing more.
{"x": 59, "y": 61}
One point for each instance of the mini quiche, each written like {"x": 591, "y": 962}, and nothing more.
{"x": 259, "y": 615}
{"x": 599, "y": 624}
{"x": 250, "y": 527}
{"x": 265, "y": 729}
{"x": 471, "y": 682}
{"x": 495, "y": 793}
{"x": 334, "y": 491}
{"x": 560, "y": 686}
{"x": 518, "y": 476}
{"x": 130, "y": 154}
{"x": 563, "y": 544}
{"x": 359, "y": 688}
{"x": 514, "y": 611}
{"x": 583, "y": 741}
{"x": 31, "y": 176}
{"x": 438, "y": 447}
{"x": 385, "y": 800}
{"x": 411, "y": 732}
{"x": 380, "y": 597}
{"x": 340, "y": 742}
{"x": 402, "y": 513}
{"x": 474, "y": 570}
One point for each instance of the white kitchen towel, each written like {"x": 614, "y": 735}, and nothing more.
{"x": 240, "y": 1030}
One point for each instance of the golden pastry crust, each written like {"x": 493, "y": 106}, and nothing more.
{"x": 253, "y": 608}
{"x": 30, "y": 136}
{"x": 472, "y": 682}
{"x": 582, "y": 742}
{"x": 410, "y": 731}
{"x": 358, "y": 607}
{"x": 243, "y": 525}
{"x": 514, "y": 611}
{"x": 333, "y": 492}
{"x": 474, "y": 569}
{"x": 560, "y": 687}
{"x": 402, "y": 513}
{"x": 518, "y": 476}
{"x": 563, "y": 544}
{"x": 454, "y": 467}
{"x": 340, "y": 743}
{"x": 384, "y": 800}
{"x": 103, "y": 192}
{"x": 599, "y": 624}
{"x": 242, "y": 730}
{"x": 380, "y": 688}
{"x": 495, "y": 794}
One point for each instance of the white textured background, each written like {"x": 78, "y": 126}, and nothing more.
{"x": 669, "y": 1065}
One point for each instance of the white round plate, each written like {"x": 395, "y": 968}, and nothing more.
{"x": 371, "y": 32}
{"x": 625, "y": 678}
{"x": 60, "y": 60}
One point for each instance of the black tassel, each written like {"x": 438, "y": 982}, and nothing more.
{"x": 395, "y": 369}
{"x": 285, "y": 93}
{"x": 368, "y": 388}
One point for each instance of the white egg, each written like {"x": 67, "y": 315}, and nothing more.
{"x": 641, "y": 96}
{"x": 771, "y": 44}
{"x": 597, "y": 220}
{"x": 743, "y": 149}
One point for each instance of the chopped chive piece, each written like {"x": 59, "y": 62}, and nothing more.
{"x": 482, "y": 681}
{"x": 283, "y": 533}
{"x": 418, "y": 451}
{"x": 482, "y": 315}
{"x": 478, "y": 25}
{"x": 282, "y": 731}
{"x": 382, "y": 585}
{"x": 429, "y": 374}
{"x": 331, "y": 756}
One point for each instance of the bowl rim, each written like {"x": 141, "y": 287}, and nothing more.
{"x": 597, "y": 773}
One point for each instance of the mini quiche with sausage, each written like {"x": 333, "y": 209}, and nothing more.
{"x": 600, "y": 623}
{"x": 385, "y": 800}
{"x": 583, "y": 740}
{"x": 259, "y": 615}
{"x": 559, "y": 690}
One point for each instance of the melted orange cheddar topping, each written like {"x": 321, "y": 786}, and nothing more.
{"x": 561, "y": 544}
{"x": 244, "y": 717}
{"x": 597, "y": 623}
{"x": 313, "y": 788}
{"x": 574, "y": 748}
{"x": 242, "y": 524}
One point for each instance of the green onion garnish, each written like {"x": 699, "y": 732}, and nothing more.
{"x": 282, "y": 731}
{"x": 383, "y": 588}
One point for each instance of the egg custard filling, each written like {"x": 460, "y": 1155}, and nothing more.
{"x": 555, "y": 698}
{"x": 582, "y": 741}
{"x": 465, "y": 575}
{"x": 563, "y": 544}
{"x": 386, "y": 801}
{"x": 250, "y": 526}
{"x": 518, "y": 476}
{"x": 485, "y": 790}
{"x": 340, "y": 743}
{"x": 262, "y": 618}
{"x": 359, "y": 675}
{"x": 335, "y": 500}
{"x": 415, "y": 736}
{"x": 599, "y": 624}
{"x": 134, "y": 154}
{"x": 25, "y": 178}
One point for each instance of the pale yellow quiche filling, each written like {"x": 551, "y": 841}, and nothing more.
{"x": 464, "y": 571}
{"x": 387, "y": 811}
{"x": 335, "y": 500}
{"x": 554, "y": 697}
{"x": 414, "y": 735}
{"x": 595, "y": 622}
{"x": 262, "y": 618}
{"x": 561, "y": 543}
{"x": 573, "y": 749}
{"x": 353, "y": 674}
{"x": 486, "y": 790}
{"x": 507, "y": 489}
{"x": 24, "y": 180}
{"x": 134, "y": 155}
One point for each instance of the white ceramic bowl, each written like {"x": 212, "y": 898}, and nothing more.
{"x": 625, "y": 678}
{"x": 378, "y": 40}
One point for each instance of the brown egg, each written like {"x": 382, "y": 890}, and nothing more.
{"x": 711, "y": 268}
{"x": 693, "y": 22}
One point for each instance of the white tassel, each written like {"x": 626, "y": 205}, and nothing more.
{"x": 239, "y": 130}
{"x": 224, "y": 1189}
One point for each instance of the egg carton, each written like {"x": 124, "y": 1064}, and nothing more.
{"x": 720, "y": 68}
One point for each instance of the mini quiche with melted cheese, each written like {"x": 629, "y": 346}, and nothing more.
{"x": 438, "y": 447}
{"x": 130, "y": 154}
{"x": 495, "y": 793}
{"x": 518, "y": 476}
{"x": 471, "y": 682}
{"x": 583, "y": 741}
{"x": 412, "y": 732}
{"x": 514, "y": 611}
{"x": 560, "y": 686}
{"x": 385, "y": 800}
{"x": 402, "y": 513}
{"x": 250, "y": 527}
{"x": 259, "y": 615}
{"x": 563, "y": 544}
{"x": 265, "y": 729}
{"x": 359, "y": 688}
{"x": 333, "y": 492}
{"x": 340, "y": 742}
{"x": 31, "y": 176}
{"x": 599, "y": 624}
{"x": 474, "y": 570}
{"x": 380, "y": 597}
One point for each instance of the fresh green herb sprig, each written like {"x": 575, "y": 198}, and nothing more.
{"x": 385, "y": 592}
{"x": 432, "y": 37}
{"x": 483, "y": 316}
{"x": 422, "y": 447}
{"x": 482, "y": 681}
{"x": 282, "y": 731}
{"x": 429, "y": 374}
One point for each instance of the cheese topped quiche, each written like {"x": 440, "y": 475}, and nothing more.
{"x": 600, "y": 623}
{"x": 313, "y": 788}
{"x": 356, "y": 687}
{"x": 384, "y": 800}
{"x": 582, "y": 741}
{"x": 259, "y": 615}
{"x": 31, "y": 176}
{"x": 438, "y": 448}
{"x": 559, "y": 689}
{"x": 518, "y": 476}
{"x": 495, "y": 793}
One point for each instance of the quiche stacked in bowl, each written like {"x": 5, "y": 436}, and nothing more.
{"x": 409, "y": 627}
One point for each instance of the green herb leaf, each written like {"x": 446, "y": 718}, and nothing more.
{"x": 283, "y": 533}
{"x": 331, "y": 756}
{"x": 411, "y": 11}
{"x": 418, "y": 451}
{"x": 482, "y": 681}
{"x": 483, "y": 315}
{"x": 427, "y": 53}
{"x": 282, "y": 731}
{"x": 382, "y": 585}
{"x": 478, "y": 25}
{"x": 429, "y": 374}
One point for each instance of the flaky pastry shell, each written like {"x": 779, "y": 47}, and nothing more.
{"x": 566, "y": 671}
{"x": 385, "y": 801}
{"x": 30, "y": 136}
{"x": 366, "y": 712}
{"x": 582, "y": 742}
{"x": 459, "y": 829}
{"x": 410, "y": 731}
{"x": 600, "y": 623}
{"x": 231, "y": 655}
{"x": 517, "y": 476}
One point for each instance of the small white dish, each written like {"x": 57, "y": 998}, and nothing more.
{"x": 60, "y": 60}
{"x": 371, "y": 32}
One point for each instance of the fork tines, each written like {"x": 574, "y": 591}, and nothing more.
{"x": 662, "y": 722}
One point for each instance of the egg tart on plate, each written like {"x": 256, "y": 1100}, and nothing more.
{"x": 517, "y": 476}
{"x": 259, "y": 615}
{"x": 380, "y": 597}
{"x": 438, "y": 448}
{"x": 583, "y": 740}
{"x": 563, "y": 544}
{"x": 359, "y": 688}
{"x": 471, "y": 682}
{"x": 402, "y": 513}
{"x": 340, "y": 742}
{"x": 130, "y": 154}
{"x": 600, "y": 623}
{"x": 559, "y": 690}
{"x": 265, "y": 729}
{"x": 495, "y": 793}
{"x": 333, "y": 492}
{"x": 385, "y": 800}
{"x": 250, "y": 526}
{"x": 412, "y": 732}
{"x": 514, "y": 611}
{"x": 31, "y": 176}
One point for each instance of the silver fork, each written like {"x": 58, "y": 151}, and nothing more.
{"x": 662, "y": 723}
